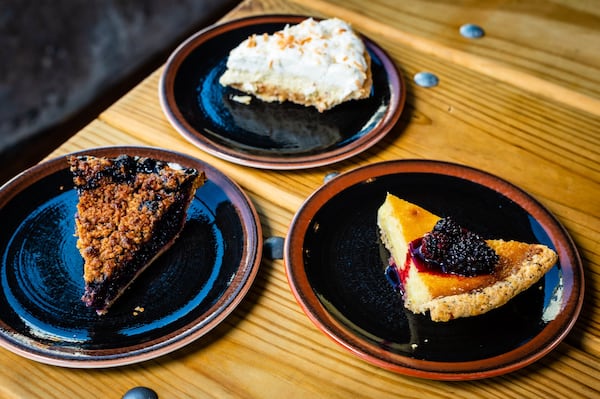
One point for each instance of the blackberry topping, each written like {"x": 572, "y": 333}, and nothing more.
{"x": 454, "y": 249}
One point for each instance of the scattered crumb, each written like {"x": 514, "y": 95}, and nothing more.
{"x": 137, "y": 310}
{"x": 242, "y": 99}
{"x": 414, "y": 346}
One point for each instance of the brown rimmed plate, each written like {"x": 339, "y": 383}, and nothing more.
{"x": 270, "y": 135}
{"x": 335, "y": 267}
{"x": 183, "y": 295}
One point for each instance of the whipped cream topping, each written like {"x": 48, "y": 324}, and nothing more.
{"x": 310, "y": 57}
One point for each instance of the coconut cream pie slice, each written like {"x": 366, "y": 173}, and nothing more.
{"x": 320, "y": 64}
{"x": 450, "y": 272}
{"x": 130, "y": 210}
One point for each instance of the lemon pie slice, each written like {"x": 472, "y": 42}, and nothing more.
{"x": 450, "y": 272}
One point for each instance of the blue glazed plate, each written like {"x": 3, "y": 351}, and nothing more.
{"x": 270, "y": 135}
{"x": 184, "y": 294}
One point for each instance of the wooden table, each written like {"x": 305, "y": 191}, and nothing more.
{"x": 523, "y": 103}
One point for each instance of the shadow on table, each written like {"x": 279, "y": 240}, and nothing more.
{"x": 64, "y": 62}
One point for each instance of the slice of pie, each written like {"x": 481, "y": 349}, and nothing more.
{"x": 320, "y": 64}
{"x": 450, "y": 272}
{"x": 130, "y": 210}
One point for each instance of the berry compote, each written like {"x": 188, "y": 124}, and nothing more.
{"x": 450, "y": 248}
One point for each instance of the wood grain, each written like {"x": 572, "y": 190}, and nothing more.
{"x": 521, "y": 103}
{"x": 530, "y": 45}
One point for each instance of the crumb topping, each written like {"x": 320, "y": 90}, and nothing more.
{"x": 120, "y": 202}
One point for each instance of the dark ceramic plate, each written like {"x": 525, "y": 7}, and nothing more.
{"x": 335, "y": 265}
{"x": 187, "y": 291}
{"x": 270, "y": 135}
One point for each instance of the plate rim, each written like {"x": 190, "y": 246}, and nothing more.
{"x": 435, "y": 370}
{"x": 175, "y": 117}
{"x": 174, "y": 339}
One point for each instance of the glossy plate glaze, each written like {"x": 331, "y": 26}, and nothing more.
{"x": 270, "y": 135}
{"x": 184, "y": 294}
{"x": 335, "y": 265}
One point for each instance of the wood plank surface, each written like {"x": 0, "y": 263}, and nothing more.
{"x": 528, "y": 44}
{"x": 522, "y": 103}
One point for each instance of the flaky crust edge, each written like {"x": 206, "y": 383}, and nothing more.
{"x": 540, "y": 259}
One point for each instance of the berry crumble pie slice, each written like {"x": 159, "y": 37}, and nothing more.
{"x": 130, "y": 210}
